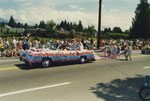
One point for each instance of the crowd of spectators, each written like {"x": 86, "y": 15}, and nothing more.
{"x": 12, "y": 47}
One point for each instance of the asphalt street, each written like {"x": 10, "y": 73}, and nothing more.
{"x": 107, "y": 80}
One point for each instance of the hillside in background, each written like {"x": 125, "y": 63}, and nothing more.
{"x": 3, "y": 20}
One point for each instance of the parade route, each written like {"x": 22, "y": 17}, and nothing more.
{"x": 10, "y": 63}
{"x": 108, "y": 80}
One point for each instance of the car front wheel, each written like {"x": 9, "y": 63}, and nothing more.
{"x": 45, "y": 63}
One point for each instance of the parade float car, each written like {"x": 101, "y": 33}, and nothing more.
{"x": 56, "y": 54}
{"x": 146, "y": 49}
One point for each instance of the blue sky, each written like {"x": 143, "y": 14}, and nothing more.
{"x": 114, "y": 12}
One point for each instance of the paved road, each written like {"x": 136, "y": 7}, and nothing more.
{"x": 110, "y": 80}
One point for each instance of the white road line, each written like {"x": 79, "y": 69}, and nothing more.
{"x": 33, "y": 89}
{"x": 148, "y": 67}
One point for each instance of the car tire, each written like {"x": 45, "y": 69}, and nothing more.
{"x": 82, "y": 60}
{"x": 144, "y": 93}
{"x": 29, "y": 65}
{"x": 45, "y": 63}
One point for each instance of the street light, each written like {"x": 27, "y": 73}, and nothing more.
{"x": 99, "y": 24}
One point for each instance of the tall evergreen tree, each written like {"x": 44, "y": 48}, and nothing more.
{"x": 61, "y": 24}
{"x": 42, "y": 24}
{"x": 106, "y": 30}
{"x": 36, "y": 26}
{"x": 18, "y": 25}
{"x": 26, "y": 26}
{"x": 141, "y": 23}
{"x": 12, "y": 22}
{"x": 80, "y": 26}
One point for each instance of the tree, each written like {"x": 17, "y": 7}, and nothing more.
{"x": 141, "y": 23}
{"x": 7, "y": 31}
{"x": 91, "y": 30}
{"x": 12, "y": 22}
{"x": 127, "y": 31}
{"x": 109, "y": 29}
{"x": 117, "y": 30}
{"x": 2, "y": 24}
{"x": 39, "y": 32}
{"x": 18, "y": 25}
{"x": 1, "y": 31}
{"x": 72, "y": 33}
{"x": 65, "y": 25}
{"x": 51, "y": 27}
{"x": 26, "y": 26}
{"x": 42, "y": 24}
{"x": 61, "y": 25}
{"x": 106, "y": 30}
{"x": 36, "y": 26}
{"x": 75, "y": 26}
{"x": 80, "y": 26}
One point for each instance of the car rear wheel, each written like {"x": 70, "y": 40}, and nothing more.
{"x": 82, "y": 60}
{"x": 45, "y": 63}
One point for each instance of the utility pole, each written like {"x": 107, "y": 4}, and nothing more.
{"x": 99, "y": 24}
{"x": 149, "y": 24}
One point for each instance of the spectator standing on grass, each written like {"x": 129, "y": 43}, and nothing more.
{"x": 13, "y": 42}
{"x": 24, "y": 44}
{"x": 91, "y": 43}
{"x": 80, "y": 45}
{"x": 1, "y": 46}
{"x": 39, "y": 43}
{"x": 87, "y": 44}
{"x": 42, "y": 43}
{"x": 31, "y": 43}
{"x": 36, "y": 44}
{"x": 82, "y": 40}
{"x": 95, "y": 42}
{"x": 13, "y": 47}
{"x": 19, "y": 44}
{"x": 27, "y": 44}
{"x": 6, "y": 43}
{"x": 47, "y": 44}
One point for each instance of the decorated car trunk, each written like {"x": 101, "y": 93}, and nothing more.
{"x": 47, "y": 56}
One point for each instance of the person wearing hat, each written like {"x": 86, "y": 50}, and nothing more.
{"x": 1, "y": 46}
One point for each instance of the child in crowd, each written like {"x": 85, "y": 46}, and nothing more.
{"x": 6, "y": 52}
{"x": 13, "y": 52}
